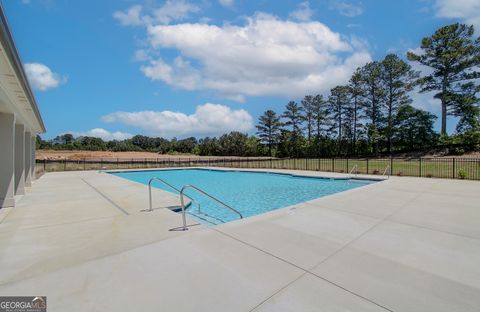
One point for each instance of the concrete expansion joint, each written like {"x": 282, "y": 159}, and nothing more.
{"x": 305, "y": 271}
{"x": 106, "y": 198}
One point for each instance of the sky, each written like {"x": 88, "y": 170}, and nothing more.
{"x": 179, "y": 68}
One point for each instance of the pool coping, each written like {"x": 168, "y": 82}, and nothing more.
{"x": 270, "y": 212}
{"x": 259, "y": 170}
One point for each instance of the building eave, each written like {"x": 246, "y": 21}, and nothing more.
{"x": 11, "y": 51}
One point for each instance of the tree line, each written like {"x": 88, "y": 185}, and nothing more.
{"x": 371, "y": 114}
{"x": 374, "y": 113}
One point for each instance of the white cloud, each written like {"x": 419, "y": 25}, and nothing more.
{"x": 141, "y": 55}
{"x": 265, "y": 56}
{"x": 132, "y": 17}
{"x": 180, "y": 74}
{"x": 172, "y": 10}
{"x": 207, "y": 120}
{"x": 103, "y": 134}
{"x": 346, "y": 8}
{"x": 41, "y": 77}
{"x": 303, "y": 12}
{"x": 466, "y": 10}
{"x": 227, "y": 3}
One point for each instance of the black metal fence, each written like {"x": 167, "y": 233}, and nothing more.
{"x": 452, "y": 168}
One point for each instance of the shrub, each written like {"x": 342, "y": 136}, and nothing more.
{"x": 462, "y": 174}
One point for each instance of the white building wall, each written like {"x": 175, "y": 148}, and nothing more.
{"x": 7, "y": 157}
{"x": 33, "y": 139}
{"x": 19, "y": 159}
{"x": 28, "y": 159}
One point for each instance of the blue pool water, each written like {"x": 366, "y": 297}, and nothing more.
{"x": 251, "y": 193}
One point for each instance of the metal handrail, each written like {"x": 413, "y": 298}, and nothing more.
{"x": 354, "y": 167}
{"x": 182, "y": 193}
{"x": 385, "y": 171}
{"x": 167, "y": 184}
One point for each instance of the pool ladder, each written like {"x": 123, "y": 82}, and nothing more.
{"x": 150, "y": 207}
{"x": 389, "y": 171}
{"x": 353, "y": 170}
{"x": 182, "y": 200}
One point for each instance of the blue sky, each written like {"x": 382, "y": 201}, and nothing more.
{"x": 116, "y": 68}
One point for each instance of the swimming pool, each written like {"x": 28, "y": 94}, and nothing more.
{"x": 251, "y": 193}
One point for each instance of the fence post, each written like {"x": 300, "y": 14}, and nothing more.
{"x": 420, "y": 168}
{"x": 453, "y": 168}
{"x": 65, "y": 164}
{"x": 391, "y": 165}
{"x": 347, "y": 165}
{"x": 44, "y": 165}
{"x": 333, "y": 164}
{"x": 367, "y": 165}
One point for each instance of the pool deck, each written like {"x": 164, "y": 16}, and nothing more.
{"x": 404, "y": 244}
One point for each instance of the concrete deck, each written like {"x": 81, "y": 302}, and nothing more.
{"x": 405, "y": 244}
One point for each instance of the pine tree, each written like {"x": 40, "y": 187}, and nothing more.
{"x": 399, "y": 78}
{"x": 339, "y": 101}
{"x": 356, "y": 93}
{"x": 308, "y": 109}
{"x": 373, "y": 99}
{"x": 467, "y": 107}
{"x": 454, "y": 56}
{"x": 268, "y": 127}
{"x": 320, "y": 114}
{"x": 294, "y": 119}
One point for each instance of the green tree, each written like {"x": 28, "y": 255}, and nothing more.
{"x": 92, "y": 143}
{"x": 468, "y": 109}
{"x": 339, "y": 101}
{"x": 321, "y": 119}
{"x": 64, "y": 139}
{"x": 233, "y": 143}
{"x": 399, "y": 78}
{"x": 294, "y": 118}
{"x": 268, "y": 129}
{"x": 373, "y": 98}
{"x": 414, "y": 128}
{"x": 356, "y": 93}
{"x": 252, "y": 146}
{"x": 186, "y": 145}
{"x": 309, "y": 115}
{"x": 208, "y": 147}
{"x": 453, "y": 54}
